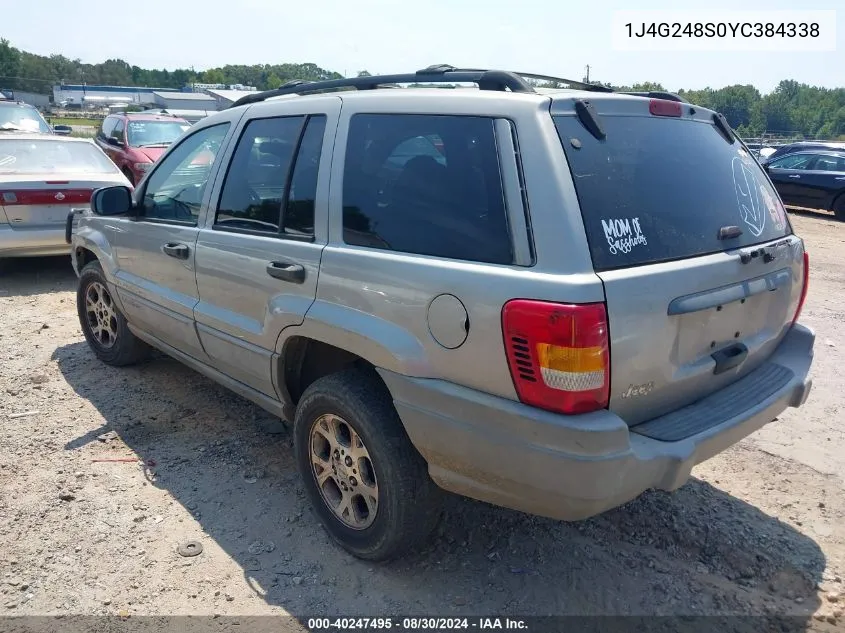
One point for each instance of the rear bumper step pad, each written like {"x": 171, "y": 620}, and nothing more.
{"x": 719, "y": 407}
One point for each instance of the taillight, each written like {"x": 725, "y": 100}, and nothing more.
{"x": 45, "y": 196}
{"x": 663, "y": 107}
{"x": 558, "y": 354}
{"x": 806, "y": 281}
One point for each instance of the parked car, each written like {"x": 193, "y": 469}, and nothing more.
{"x": 433, "y": 307}
{"x": 42, "y": 177}
{"x": 811, "y": 179}
{"x": 17, "y": 116}
{"x": 803, "y": 146}
{"x": 134, "y": 141}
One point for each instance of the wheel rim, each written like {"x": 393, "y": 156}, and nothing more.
{"x": 101, "y": 315}
{"x": 343, "y": 470}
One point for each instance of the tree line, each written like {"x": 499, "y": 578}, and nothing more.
{"x": 792, "y": 108}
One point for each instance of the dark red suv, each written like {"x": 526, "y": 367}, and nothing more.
{"x": 134, "y": 140}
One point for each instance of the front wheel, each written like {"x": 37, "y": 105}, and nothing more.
{"x": 103, "y": 325}
{"x": 367, "y": 483}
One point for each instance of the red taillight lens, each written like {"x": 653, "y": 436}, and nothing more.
{"x": 662, "y": 107}
{"x": 806, "y": 281}
{"x": 558, "y": 354}
{"x": 45, "y": 196}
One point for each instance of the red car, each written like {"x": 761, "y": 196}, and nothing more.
{"x": 134, "y": 140}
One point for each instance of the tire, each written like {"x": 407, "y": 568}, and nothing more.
{"x": 113, "y": 343}
{"x": 839, "y": 207}
{"x": 408, "y": 505}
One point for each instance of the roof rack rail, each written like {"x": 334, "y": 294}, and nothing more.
{"x": 437, "y": 74}
{"x": 440, "y": 73}
{"x": 656, "y": 94}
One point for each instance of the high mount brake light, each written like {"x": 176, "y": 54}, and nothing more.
{"x": 662, "y": 107}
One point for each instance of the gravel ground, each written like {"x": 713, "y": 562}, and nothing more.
{"x": 760, "y": 529}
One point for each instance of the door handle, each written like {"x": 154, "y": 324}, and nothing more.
{"x": 174, "y": 249}
{"x": 286, "y": 271}
{"x": 729, "y": 357}
{"x": 795, "y": 176}
{"x": 840, "y": 178}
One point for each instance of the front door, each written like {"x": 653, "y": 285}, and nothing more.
{"x": 155, "y": 253}
{"x": 259, "y": 254}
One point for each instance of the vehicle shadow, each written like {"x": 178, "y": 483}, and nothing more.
{"x": 28, "y": 276}
{"x": 698, "y": 551}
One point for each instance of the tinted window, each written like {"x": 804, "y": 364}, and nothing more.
{"x": 299, "y": 212}
{"x": 825, "y": 162}
{"x": 793, "y": 161}
{"x": 108, "y": 126}
{"x": 428, "y": 185}
{"x": 658, "y": 189}
{"x": 175, "y": 189}
{"x": 255, "y": 183}
{"x": 119, "y": 130}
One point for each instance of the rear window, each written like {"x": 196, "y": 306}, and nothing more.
{"x": 659, "y": 189}
{"x": 22, "y": 118}
{"x": 20, "y": 156}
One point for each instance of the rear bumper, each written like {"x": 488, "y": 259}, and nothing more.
{"x": 32, "y": 242}
{"x": 574, "y": 467}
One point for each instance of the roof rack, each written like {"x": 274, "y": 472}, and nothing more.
{"x": 500, "y": 80}
{"x": 440, "y": 73}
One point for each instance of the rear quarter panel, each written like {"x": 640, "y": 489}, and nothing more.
{"x": 376, "y": 303}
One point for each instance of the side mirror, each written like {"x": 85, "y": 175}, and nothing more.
{"x": 113, "y": 141}
{"x": 111, "y": 201}
{"x": 62, "y": 130}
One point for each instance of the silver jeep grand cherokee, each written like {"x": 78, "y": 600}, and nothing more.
{"x": 546, "y": 300}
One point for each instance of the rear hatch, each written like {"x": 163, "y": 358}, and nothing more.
{"x": 30, "y": 202}
{"x": 701, "y": 270}
{"x": 42, "y": 178}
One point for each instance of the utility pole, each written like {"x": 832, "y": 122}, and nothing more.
{"x": 588, "y": 74}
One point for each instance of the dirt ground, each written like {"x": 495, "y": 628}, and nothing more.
{"x": 760, "y": 529}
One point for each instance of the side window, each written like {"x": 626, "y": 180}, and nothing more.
{"x": 108, "y": 126}
{"x": 175, "y": 189}
{"x": 428, "y": 185}
{"x": 298, "y": 218}
{"x": 119, "y": 131}
{"x": 825, "y": 162}
{"x": 795, "y": 161}
{"x": 266, "y": 190}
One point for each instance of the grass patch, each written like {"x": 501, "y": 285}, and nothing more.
{"x": 70, "y": 121}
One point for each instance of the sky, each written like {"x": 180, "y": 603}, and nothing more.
{"x": 553, "y": 37}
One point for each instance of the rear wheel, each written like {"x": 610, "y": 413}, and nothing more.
{"x": 103, "y": 325}
{"x": 839, "y": 207}
{"x": 367, "y": 483}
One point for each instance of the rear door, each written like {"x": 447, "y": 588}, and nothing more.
{"x": 259, "y": 255}
{"x": 790, "y": 177}
{"x": 156, "y": 252}
{"x": 689, "y": 311}
{"x": 825, "y": 176}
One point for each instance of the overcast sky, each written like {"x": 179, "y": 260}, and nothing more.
{"x": 557, "y": 37}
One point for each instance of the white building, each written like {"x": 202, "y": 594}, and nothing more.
{"x": 83, "y": 95}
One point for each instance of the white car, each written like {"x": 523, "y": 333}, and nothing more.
{"x": 43, "y": 177}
